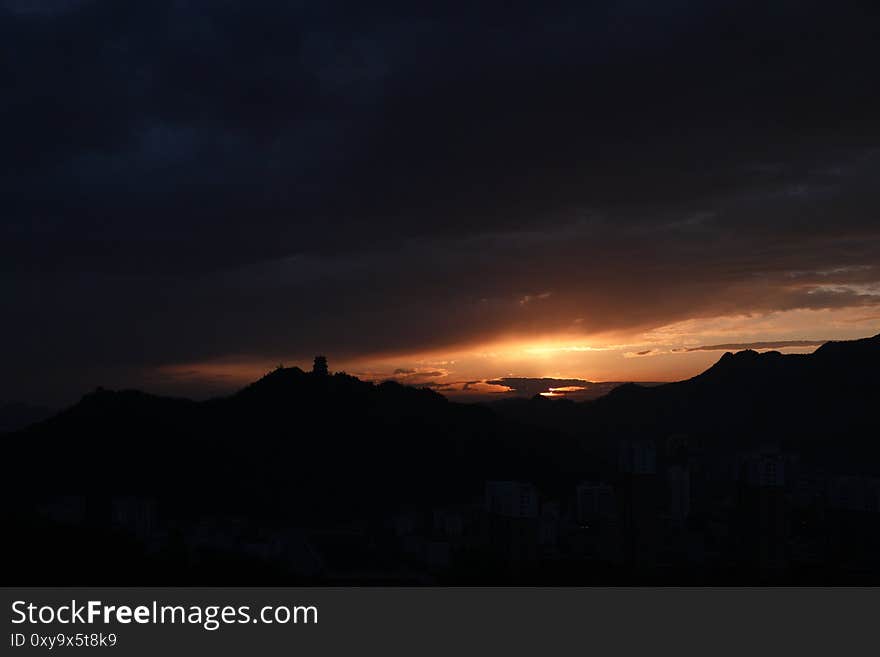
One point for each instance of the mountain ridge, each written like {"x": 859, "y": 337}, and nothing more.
{"x": 327, "y": 452}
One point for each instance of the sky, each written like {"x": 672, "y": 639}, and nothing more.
{"x": 444, "y": 193}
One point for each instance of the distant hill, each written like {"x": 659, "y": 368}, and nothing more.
{"x": 305, "y": 452}
{"x": 825, "y": 403}
{"x": 298, "y": 429}
{"x": 17, "y": 415}
{"x": 294, "y": 443}
{"x": 784, "y": 389}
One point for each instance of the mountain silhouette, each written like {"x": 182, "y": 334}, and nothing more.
{"x": 334, "y": 445}
{"x": 319, "y": 452}
{"x": 826, "y": 400}
{"x": 18, "y": 415}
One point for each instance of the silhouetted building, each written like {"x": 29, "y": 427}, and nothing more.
{"x": 66, "y": 509}
{"x": 678, "y": 481}
{"x": 404, "y": 523}
{"x": 448, "y": 522}
{"x": 598, "y": 529}
{"x": 640, "y": 498}
{"x": 852, "y": 505}
{"x": 595, "y": 503}
{"x": 511, "y": 499}
{"x": 134, "y": 514}
{"x": 855, "y": 494}
{"x": 548, "y": 527}
{"x": 320, "y": 366}
{"x": 512, "y": 520}
{"x": 762, "y": 508}
{"x": 637, "y": 457}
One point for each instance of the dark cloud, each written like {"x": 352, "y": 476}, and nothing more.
{"x": 535, "y": 385}
{"x": 778, "y": 344}
{"x": 577, "y": 389}
{"x": 403, "y": 373}
{"x": 187, "y": 180}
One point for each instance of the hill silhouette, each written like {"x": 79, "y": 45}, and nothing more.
{"x": 18, "y": 415}
{"x": 322, "y": 452}
{"x": 293, "y": 449}
{"x": 291, "y": 429}
{"x": 822, "y": 401}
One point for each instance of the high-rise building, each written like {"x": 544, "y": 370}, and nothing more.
{"x": 639, "y": 497}
{"x": 595, "y": 503}
{"x": 762, "y": 513}
{"x": 678, "y": 481}
{"x": 511, "y": 499}
{"x": 512, "y": 520}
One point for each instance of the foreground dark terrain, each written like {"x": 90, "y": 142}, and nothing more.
{"x": 763, "y": 469}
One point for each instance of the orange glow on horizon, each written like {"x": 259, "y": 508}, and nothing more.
{"x": 665, "y": 353}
